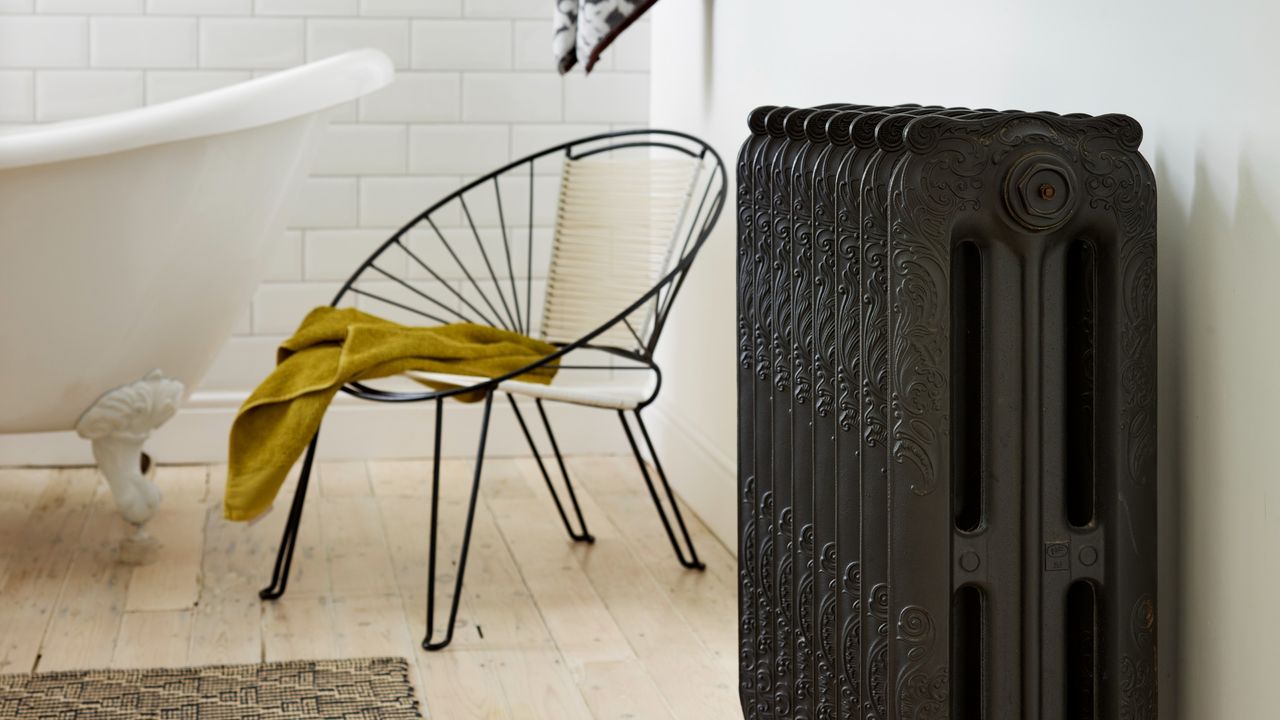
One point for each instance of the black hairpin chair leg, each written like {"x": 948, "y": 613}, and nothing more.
{"x": 585, "y": 535}
{"x": 692, "y": 562}
{"x": 427, "y": 643}
{"x": 284, "y": 556}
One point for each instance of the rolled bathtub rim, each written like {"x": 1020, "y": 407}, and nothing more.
{"x": 290, "y": 93}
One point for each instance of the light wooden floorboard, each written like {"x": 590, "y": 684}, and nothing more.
{"x": 87, "y": 618}
{"x": 538, "y": 686}
{"x": 172, "y": 580}
{"x": 38, "y": 563}
{"x": 463, "y": 684}
{"x": 681, "y": 666}
{"x": 299, "y": 629}
{"x": 706, "y": 600}
{"x": 546, "y": 628}
{"x": 622, "y": 690}
{"x": 344, "y": 479}
{"x": 157, "y": 638}
{"x": 225, "y": 627}
{"x": 583, "y": 628}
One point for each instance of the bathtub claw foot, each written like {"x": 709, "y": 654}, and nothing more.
{"x": 118, "y": 423}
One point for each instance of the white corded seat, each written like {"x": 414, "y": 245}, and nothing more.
{"x": 608, "y": 397}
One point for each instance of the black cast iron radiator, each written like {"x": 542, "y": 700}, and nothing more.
{"x": 947, "y": 429}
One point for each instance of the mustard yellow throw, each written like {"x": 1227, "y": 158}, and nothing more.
{"x": 335, "y": 346}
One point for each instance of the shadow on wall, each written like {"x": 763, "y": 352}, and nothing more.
{"x": 1217, "y": 337}
{"x": 708, "y": 52}
{"x": 1172, "y": 238}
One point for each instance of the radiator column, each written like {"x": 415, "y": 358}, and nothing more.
{"x": 947, "y": 386}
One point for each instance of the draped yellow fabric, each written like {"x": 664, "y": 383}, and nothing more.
{"x": 335, "y": 346}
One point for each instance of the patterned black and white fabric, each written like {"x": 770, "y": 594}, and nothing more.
{"x": 584, "y": 28}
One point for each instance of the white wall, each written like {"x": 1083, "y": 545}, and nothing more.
{"x": 1201, "y": 78}
{"x": 476, "y": 86}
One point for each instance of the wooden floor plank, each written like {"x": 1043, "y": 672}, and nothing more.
{"x": 298, "y": 628}
{"x": 256, "y": 543}
{"x": 183, "y": 483}
{"x": 83, "y": 630}
{"x": 681, "y": 666}
{"x": 538, "y": 686}
{"x": 504, "y": 479}
{"x": 374, "y": 626}
{"x": 38, "y": 565}
{"x": 498, "y": 603}
{"x": 226, "y": 629}
{"x": 621, "y": 690}
{"x": 463, "y": 685}
{"x": 22, "y": 488}
{"x": 371, "y": 626}
{"x": 579, "y": 622}
{"x": 172, "y": 580}
{"x": 226, "y": 626}
{"x": 358, "y": 556}
{"x": 237, "y": 555}
{"x": 344, "y": 479}
{"x": 498, "y": 611}
{"x": 707, "y": 600}
{"x": 456, "y": 478}
{"x": 395, "y": 478}
{"x": 406, "y": 524}
{"x": 547, "y": 628}
{"x": 153, "y": 639}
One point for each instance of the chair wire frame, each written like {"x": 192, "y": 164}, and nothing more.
{"x": 462, "y": 260}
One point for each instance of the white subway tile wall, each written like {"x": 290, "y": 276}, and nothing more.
{"x": 68, "y": 94}
{"x": 142, "y": 42}
{"x": 475, "y": 88}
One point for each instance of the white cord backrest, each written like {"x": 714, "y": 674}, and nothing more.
{"x": 619, "y": 229}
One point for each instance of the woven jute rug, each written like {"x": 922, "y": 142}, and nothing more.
{"x": 367, "y": 689}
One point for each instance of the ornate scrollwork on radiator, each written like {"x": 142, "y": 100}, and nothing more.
{"x": 857, "y": 301}
{"x": 1137, "y": 670}
{"x": 922, "y": 689}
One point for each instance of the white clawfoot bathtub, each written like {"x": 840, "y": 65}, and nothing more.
{"x": 130, "y": 244}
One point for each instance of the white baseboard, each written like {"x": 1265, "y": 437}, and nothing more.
{"x": 353, "y": 429}
{"x": 701, "y": 475}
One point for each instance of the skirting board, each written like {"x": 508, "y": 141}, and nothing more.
{"x": 352, "y": 430}
{"x": 702, "y": 476}
{"x": 704, "y": 479}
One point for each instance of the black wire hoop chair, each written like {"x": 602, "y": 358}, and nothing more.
{"x": 595, "y": 274}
